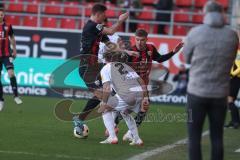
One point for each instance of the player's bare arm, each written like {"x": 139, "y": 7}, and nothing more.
{"x": 111, "y": 30}
{"x": 132, "y": 53}
{"x": 178, "y": 47}
{"x": 145, "y": 101}
{"x": 113, "y": 47}
{"x": 105, "y": 95}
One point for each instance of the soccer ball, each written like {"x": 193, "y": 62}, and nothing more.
{"x": 81, "y": 132}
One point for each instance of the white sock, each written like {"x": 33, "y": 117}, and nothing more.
{"x": 109, "y": 123}
{"x": 131, "y": 125}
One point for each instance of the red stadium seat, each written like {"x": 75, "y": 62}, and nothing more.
{"x": 30, "y": 21}
{"x": 88, "y": 8}
{"x": 79, "y": 24}
{"x": 198, "y": 16}
{"x": 180, "y": 30}
{"x": 151, "y": 2}
{"x": 144, "y": 26}
{"x": 49, "y": 22}
{"x": 68, "y": 23}
{"x": 225, "y": 3}
{"x": 155, "y": 29}
{"x": 52, "y": 7}
{"x": 185, "y": 3}
{"x": 200, "y": 3}
{"x": 14, "y": 20}
{"x": 71, "y": 8}
{"x": 32, "y": 6}
{"x": 181, "y": 15}
{"x": 147, "y": 14}
{"x": 16, "y": 6}
{"x": 110, "y": 9}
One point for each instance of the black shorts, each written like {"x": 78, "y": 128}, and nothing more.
{"x": 234, "y": 87}
{"x": 91, "y": 76}
{"x": 7, "y": 62}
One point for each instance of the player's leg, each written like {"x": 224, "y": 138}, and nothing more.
{"x": 78, "y": 120}
{"x": 112, "y": 105}
{"x": 92, "y": 103}
{"x": 109, "y": 124}
{"x": 10, "y": 69}
{"x": 1, "y": 88}
{"x": 141, "y": 115}
{"x": 217, "y": 114}
{"x": 139, "y": 118}
{"x": 234, "y": 88}
{"x": 132, "y": 127}
{"x": 197, "y": 110}
{"x": 114, "y": 115}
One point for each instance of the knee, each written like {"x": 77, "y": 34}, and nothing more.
{"x": 11, "y": 73}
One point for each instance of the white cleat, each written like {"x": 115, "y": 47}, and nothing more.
{"x": 110, "y": 140}
{"x": 128, "y": 136}
{"x": 1, "y": 105}
{"x": 18, "y": 100}
{"x": 138, "y": 142}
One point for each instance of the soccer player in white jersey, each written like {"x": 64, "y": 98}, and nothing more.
{"x": 115, "y": 39}
{"x": 121, "y": 78}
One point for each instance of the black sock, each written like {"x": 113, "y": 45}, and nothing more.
{"x": 118, "y": 118}
{"x": 1, "y": 91}
{"x": 139, "y": 118}
{"x": 13, "y": 82}
{"x": 234, "y": 112}
{"x": 91, "y": 104}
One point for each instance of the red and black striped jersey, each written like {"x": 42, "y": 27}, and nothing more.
{"x": 142, "y": 64}
{"x": 5, "y": 32}
{"x": 91, "y": 38}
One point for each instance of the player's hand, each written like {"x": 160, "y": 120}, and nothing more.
{"x": 178, "y": 47}
{"x": 133, "y": 53}
{"x": 123, "y": 17}
{"x": 102, "y": 107}
{"x": 145, "y": 104}
{"x": 14, "y": 54}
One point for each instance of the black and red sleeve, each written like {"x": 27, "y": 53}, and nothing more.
{"x": 105, "y": 39}
{"x": 10, "y": 32}
{"x": 161, "y": 58}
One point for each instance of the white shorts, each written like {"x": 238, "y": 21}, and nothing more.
{"x": 133, "y": 102}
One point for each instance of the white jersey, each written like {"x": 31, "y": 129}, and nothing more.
{"x": 102, "y": 47}
{"x": 124, "y": 80}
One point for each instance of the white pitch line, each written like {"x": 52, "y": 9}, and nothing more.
{"x": 60, "y": 156}
{"x": 238, "y": 150}
{"x": 159, "y": 150}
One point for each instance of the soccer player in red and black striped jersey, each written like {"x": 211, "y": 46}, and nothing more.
{"x": 6, "y": 57}
{"x": 142, "y": 65}
{"x": 93, "y": 33}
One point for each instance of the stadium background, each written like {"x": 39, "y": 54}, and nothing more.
{"x": 50, "y": 31}
{"x": 47, "y": 34}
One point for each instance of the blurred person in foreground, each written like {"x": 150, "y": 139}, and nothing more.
{"x": 234, "y": 89}
{"x": 210, "y": 48}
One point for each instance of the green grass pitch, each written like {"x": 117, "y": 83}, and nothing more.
{"x": 32, "y": 132}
